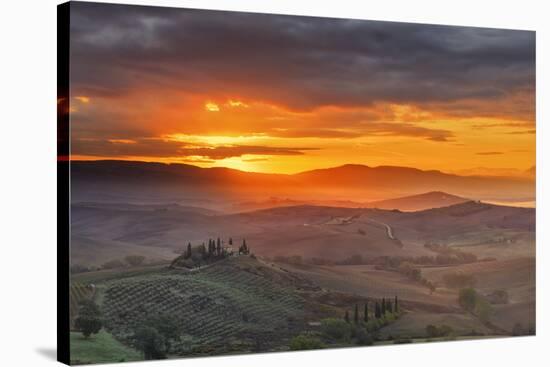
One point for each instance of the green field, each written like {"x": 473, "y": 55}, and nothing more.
{"x": 233, "y": 306}
{"x": 100, "y": 348}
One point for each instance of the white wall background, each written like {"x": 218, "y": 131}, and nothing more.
{"x": 28, "y": 182}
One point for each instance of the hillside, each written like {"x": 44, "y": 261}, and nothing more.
{"x": 238, "y": 304}
{"x": 309, "y": 231}
{"x": 429, "y": 200}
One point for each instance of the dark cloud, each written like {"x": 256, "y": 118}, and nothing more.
{"x": 299, "y": 62}
{"x": 367, "y": 129}
{"x": 153, "y": 147}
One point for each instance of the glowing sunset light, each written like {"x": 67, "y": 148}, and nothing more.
{"x": 214, "y": 139}
{"x": 247, "y": 110}
{"x": 211, "y": 107}
{"x": 122, "y": 141}
{"x": 83, "y": 99}
{"x": 233, "y": 103}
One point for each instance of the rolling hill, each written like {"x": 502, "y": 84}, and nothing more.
{"x": 309, "y": 231}
{"x": 429, "y": 200}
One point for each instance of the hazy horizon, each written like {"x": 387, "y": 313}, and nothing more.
{"x": 482, "y": 171}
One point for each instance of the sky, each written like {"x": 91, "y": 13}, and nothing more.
{"x": 285, "y": 94}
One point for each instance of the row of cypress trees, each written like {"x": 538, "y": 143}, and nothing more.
{"x": 215, "y": 249}
{"x": 380, "y": 309}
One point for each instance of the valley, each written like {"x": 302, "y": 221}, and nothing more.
{"x": 306, "y": 267}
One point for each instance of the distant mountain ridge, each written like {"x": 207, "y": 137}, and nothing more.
{"x": 356, "y": 183}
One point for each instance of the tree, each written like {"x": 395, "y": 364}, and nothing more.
{"x": 88, "y": 320}
{"x": 467, "y": 298}
{"x": 383, "y": 310}
{"x": 366, "y": 317}
{"x": 156, "y": 336}
{"x": 244, "y": 248}
{"x": 346, "y": 316}
{"x": 230, "y": 241}
{"x": 356, "y": 314}
{"x": 149, "y": 340}
{"x": 188, "y": 254}
{"x": 389, "y": 306}
{"x": 395, "y": 306}
{"x": 377, "y": 310}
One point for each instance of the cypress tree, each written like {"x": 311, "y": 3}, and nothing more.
{"x": 376, "y": 310}
{"x": 188, "y": 254}
{"x": 346, "y": 316}
{"x": 366, "y": 317}
{"x": 230, "y": 241}
{"x": 356, "y": 314}
{"x": 389, "y": 306}
{"x": 396, "y": 308}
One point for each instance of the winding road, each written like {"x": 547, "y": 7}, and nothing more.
{"x": 389, "y": 230}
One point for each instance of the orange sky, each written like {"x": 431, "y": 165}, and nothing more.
{"x": 287, "y": 94}
{"x": 408, "y": 136}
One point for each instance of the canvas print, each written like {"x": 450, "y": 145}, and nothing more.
{"x": 246, "y": 183}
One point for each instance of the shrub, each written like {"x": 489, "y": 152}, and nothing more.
{"x": 306, "y": 341}
{"x": 363, "y": 338}
{"x": 336, "y": 329}
{"x": 483, "y": 309}
{"x": 77, "y": 268}
{"x": 373, "y": 325}
{"x": 113, "y": 264}
{"x": 433, "y": 331}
